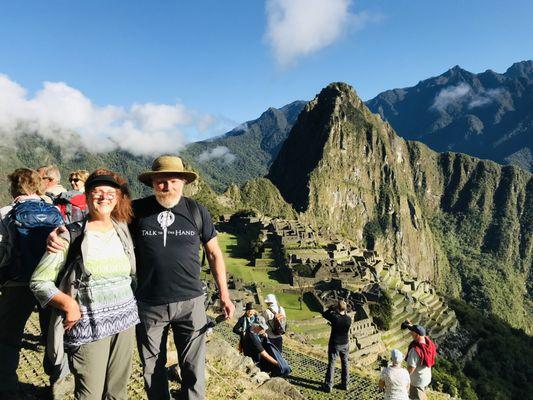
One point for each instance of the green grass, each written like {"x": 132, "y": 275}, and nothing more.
{"x": 290, "y": 303}
{"x": 233, "y": 248}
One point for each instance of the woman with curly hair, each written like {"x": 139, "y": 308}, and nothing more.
{"x": 95, "y": 297}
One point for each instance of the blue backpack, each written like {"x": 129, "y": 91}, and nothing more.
{"x": 32, "y": 220}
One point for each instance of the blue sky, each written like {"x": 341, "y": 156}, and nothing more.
{"x": 225, "y": 62}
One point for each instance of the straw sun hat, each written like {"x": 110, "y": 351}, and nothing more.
{"x": 167, "y": 165}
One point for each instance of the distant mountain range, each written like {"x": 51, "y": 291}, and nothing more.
{"x": 245, "y": 152}
{"x": 487, "y": 115}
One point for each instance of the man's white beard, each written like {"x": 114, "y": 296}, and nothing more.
{"x": 167, "y": 199}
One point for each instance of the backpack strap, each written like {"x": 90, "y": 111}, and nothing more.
{"x": 194, "y": 210}
{"x": 75, "y": 231}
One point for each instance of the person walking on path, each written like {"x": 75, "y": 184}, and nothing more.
{"x": 339, "y": 344}
{"x": 420, "y": 358}
{"x": 168, "y": 230}
{"x": 395, "y": 379}
{"x": 276, "y": 320}
{"x": 96, "y": 269}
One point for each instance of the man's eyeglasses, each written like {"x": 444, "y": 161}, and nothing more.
{"x": 104, "y": 195}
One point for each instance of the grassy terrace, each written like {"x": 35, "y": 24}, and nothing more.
{"x": 235, "y": 251}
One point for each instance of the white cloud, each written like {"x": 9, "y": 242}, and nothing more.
{"x": 57, "y": 110}
{"x": 463, "y": 94}
{"x": 485, "y": 97}
{"x": 297, "y": 28}
{"x": 450, "y": 95}
{"x": 221, "y": 152}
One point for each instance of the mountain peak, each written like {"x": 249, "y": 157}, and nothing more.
{"x": 521, "y": 69}
{"x": 457, "y": 73}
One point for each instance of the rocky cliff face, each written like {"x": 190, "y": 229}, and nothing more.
{"x": 460, "y": 221}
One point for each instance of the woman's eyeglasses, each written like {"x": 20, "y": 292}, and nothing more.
{"x": 75, "y": 180}
{"x": 104, "y": 195}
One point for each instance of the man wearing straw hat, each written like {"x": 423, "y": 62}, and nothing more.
{"x": 167, "y": 239}
{"x": 167, "y": 230}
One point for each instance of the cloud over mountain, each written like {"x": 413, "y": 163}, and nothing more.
{"x": 220, "y": 152}
{"x": 463, "y": 93}
{"x": 58, "y": 109}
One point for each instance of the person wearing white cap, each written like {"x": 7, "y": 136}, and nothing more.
{"x": 276, "y": 320}
{"x": 395, "y": 379}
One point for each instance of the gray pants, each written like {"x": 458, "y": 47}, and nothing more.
{"x": 102, "y": 368}
{"x": 333, "y": 351}
{"x": 189, "y": 324}
{"x": 16, "y": 306}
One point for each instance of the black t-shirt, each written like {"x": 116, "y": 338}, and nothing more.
{"x": 167, "y": 248}
{"x": 340, "y": 327}
{"x": 252, "y": 347}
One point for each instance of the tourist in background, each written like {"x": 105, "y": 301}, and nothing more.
{"x": 73, "y": 204}
{"x": 339, "y": 344}
{"x": 253, "y": 347}
{"x": 276, "y": 320}
{"x": 395, "y": 379}
{"x": 100, "y": 312}
{"x": 77, "y": 180}
{"x": 420, "y": 358}
{"x": 24, "y": 225}
{"x": 52, "y": 181}
{"x": 244, "y": 322}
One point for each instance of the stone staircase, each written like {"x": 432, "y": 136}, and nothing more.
{"x": 422, "y": 306}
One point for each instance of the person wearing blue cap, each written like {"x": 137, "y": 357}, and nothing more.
{"x": 395, "y": 379}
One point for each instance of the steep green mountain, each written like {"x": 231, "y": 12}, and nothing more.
{"x": 487, "y": 115}
{"x": 261, "y": 195}
{"x": 462, "y": 222}
{"x": 247, "y": 151}
{"x": 32, "y": 150}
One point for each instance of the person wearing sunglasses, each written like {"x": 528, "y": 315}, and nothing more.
{"x": 77, "y": 180}
{"x": 95, "y": 300}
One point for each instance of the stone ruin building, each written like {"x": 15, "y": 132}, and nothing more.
{"x": 329, "y": 267}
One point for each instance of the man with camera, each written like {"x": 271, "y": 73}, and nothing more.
{"x": 339, "y": 344}
{"x": 420, "y": 358}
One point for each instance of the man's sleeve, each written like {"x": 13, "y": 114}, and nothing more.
{"x": 412, "y": 358}
{"x": 328, "y": 314}
{"x": 208, "y": 228}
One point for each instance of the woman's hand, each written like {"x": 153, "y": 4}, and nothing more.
{"x": 72, "y": 315}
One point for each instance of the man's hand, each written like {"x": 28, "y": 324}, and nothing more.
{"x": 227, "y": 306}
{"x": 54, "y": 244}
